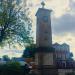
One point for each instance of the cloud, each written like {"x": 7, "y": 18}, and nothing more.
{"x": 11, "y": 53}
{"x": 71, "y": 7}
{"x": 63, "y": 25}
{"x": 72, "y": 4}
{"x": 63, "y": 16}
{"x": 58, "y": 6}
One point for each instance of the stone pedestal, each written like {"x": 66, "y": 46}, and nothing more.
{"x": 44, "y": 61}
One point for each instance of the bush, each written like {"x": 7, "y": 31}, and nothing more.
{"x": 13, "y": 68}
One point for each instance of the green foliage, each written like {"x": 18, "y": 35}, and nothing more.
{"x": 15, "y": 25}
{"x": 6, "y": 58}
{"x": 29, "y": 51}
{"x": 32, "y": 49}
{"x": 13, "y": 68}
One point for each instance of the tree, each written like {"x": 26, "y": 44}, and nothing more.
{"x": 15, "y": 25}
{"x": 14, "y": 68}
{"x": 29, "y": 51}
{"x": 6, "y": 58}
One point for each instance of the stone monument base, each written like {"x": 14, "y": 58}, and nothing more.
{"x": 46, "y": 70}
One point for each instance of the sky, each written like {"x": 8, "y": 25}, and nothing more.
{"x": 63, "y": 19}
{"x": 63, "y": 22}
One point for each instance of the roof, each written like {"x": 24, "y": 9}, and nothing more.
{"x": 56, "y": 44}
{"x": 65, "y": 44}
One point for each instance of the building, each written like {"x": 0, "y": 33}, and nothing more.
{"x": 50, "y": 59}
{"x": 63, "y": 47}
{"x": 62, "y": 51}
{"x": 63, "y": 56}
